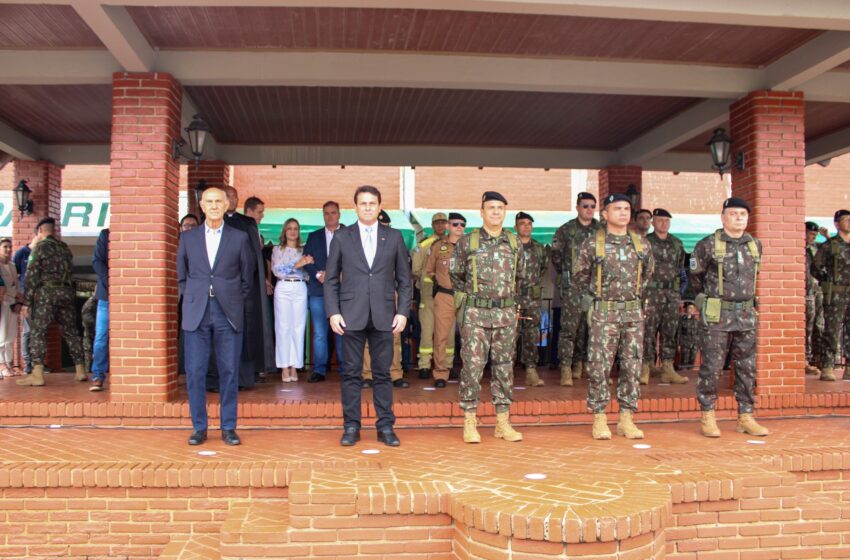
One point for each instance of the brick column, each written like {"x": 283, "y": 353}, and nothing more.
{"x": 215, "y": 173}
{"x": 144, "y": 186}
{"x": 769, "y": 128}
{"x": 617, "y": 178}
{"x": 45, "y": 180}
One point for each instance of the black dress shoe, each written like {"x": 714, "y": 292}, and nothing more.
{"x": 454, "y": 374}
{"x": 230, "y": 438}
{"x": 316, "y": 378}
{"x": 401, "y": 383}
{"x": 366, "y": 384}
{"x": 387, "y": 437}
{"x": 440, "y": 383}
{"x": 212, "y": 389}
{"x": 198, "y": 437}
{"x": 424, "y": 373}
{"x": 350, "y": 436}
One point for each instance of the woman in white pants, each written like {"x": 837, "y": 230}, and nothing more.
{"x": 8, "y": 307}
{"x": 290, "y": 300}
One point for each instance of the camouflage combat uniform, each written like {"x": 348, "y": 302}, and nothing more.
{"x": 572, "y": 340}
{"x": 615, "y": 317}
{"x": 687, "y": 336}
{"x": 661, "y": 299}
{"x": 831, "y": 266}
{"x": 736, "y": 329}
{"x": 50, "y": 296}
{"x": 814, "y": 309}
{"x": 530, "y": 294}
{"x": 489, "y": 316}
{"x": 89, "y": 316}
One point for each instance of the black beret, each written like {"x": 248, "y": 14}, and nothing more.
{"x": 45, "y": 221}
{"x": 384, "y": 218}
{"x": 493, "y": 195}
{"x": 841, "y": 213}
{"x": 585, "y": 196}
{"x": 616, "y": 197}
{"x": 524, "y": 216}
{"x": 811, "y": 226}
{"x": 736, "y": 202}
{"x": 661, "y": 212}
{"x": 456, "y": 216}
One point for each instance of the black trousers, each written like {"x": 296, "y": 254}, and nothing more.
{"x": 381, "y": 351}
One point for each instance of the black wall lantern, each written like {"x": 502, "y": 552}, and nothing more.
{"x": 197, "y": 132}
{"x": 634, "y": 197}
{"x": 22, "y": 198}
{"x": 719, "y": 146}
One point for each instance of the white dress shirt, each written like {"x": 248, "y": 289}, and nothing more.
{"x": 213, "y": 241}
{"x": 329, "y": 236}
{"x": 369, "y": 239}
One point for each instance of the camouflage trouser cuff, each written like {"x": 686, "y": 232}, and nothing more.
{"x": 746, "y": 409}
{"x": 500, "y": 408}
{"x": 468, "y": 406}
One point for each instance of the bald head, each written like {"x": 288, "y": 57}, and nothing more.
{"x": 214, "y": 203}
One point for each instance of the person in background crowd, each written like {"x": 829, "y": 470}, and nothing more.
{"x": 100, "y": 351}
{"x": 831, "y": 267}
{"x": 188, "y": 222}
{"x": 425, "y": 285}
{"x": 290, "y": 300}
{"x": 642, "y": 222}
{"x": 318, "y": 246}
{"x": 687, "y": 336}
{"x": 814, "y": 300}
{"x": 21, "y": 259}
{"x": 530, "y": 296}
{"x": 8, "y": 310}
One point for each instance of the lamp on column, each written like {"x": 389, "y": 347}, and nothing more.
{"x": 634, "y": 197}
{"x": 22, "y": 198}
{"x": 199, "y": 192}
{"x": 197, "y": 131}
{"x": 719, "y": 146}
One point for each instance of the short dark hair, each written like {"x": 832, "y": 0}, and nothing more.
{"x": 367, "y": 189}
{"x": 331, "y": 203}
{"x": 189, "y": 216}
{"x": 252, "y": 202}
{"x": 643, "y": 210}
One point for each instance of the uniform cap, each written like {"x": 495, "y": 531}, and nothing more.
{"x": 524, "y": 216}
{"x": 616, "y": 197}
{"x": 384, "y": 218}
{"x": 585, "y": 196}
{"x": 662, "y": 213}
{"x": 736, "y": 202}
{"x": 455, "y": 216}
{"x": 45, "y": 221}
{"x": 493, "y": 195}
{"x": 811, "y": 226}
{"x": 841, "y": 213}
{"x": 439, "y": 217}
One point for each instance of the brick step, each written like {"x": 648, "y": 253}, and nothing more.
{"x": 196, "y": 547}
{"x": 259, "y": 529}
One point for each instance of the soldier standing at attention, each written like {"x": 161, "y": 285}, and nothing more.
{"x": 724, "y": 268}
{"x": 615, "y": 265}
{"x": 484, "y": 271}
{"x": 687, "y": 336}
{"x": 445, "y": 319}
{"x": 661, "y": 305}
{"x": 565, "y": 244}
{"x": 425, "y": 285}
{"x": 814, "y": 299}
{"x": 50, "y": 296}
{"x": 832, "y": 268}
{"x": 530, "y": 295}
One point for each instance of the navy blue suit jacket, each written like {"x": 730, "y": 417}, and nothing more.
{"x": 357, "y": 291}
{"x": 316, "y": 248}
{"x": 230, "y": 277}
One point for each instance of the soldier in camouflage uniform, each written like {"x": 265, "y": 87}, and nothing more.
{"x": 814, "y": 300}
{"x": 614, "y": 266}
{"x": 565, "y": 244}
{"x": 484, "y": 270}
{"x": 831, "y": 266}
{"x": 530, "y": 296}
{"x": 50, "y": 295}
{"x": 723, "y": 271}
{"x": 89, "y": 316}
{"x": 425, "y": 285}
{"x": 661, "y": 299}
{"x": 687, "y": 336}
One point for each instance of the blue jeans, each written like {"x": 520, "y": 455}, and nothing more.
{"x": 321, "y": 330}
{"x": 100, "y": 350}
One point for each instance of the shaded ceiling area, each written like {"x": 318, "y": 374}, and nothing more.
{"x": 59, "y": 114}
{"x": 39, "y": 26}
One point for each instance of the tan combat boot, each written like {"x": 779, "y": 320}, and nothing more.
{"x": 812, "y": 370}
{"x": 81, "y": 373}
{"x": 644, "y": 374}
{"x": 577, "y": 370}
{"x": 600, "y": 426}
{"x": 470, "y": 428}
{"x": 708, "y": 424}
{"x": 566, "y": 376}
{"x": 35, "y": 379}
{"x": 626, "y": 427}
{"x": 670, "y": 375}
{"x": 748, "y": 425}
{"x": 826, "y": 374}
{"x": 504, "y": 429}
{"x": 531, "y": 378}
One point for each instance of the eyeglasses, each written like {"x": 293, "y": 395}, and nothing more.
{"x": 458, "y": 224}
{"x": 588, "y": 206}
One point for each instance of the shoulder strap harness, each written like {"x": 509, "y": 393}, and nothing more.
{"x": 600, "y": 258}
{"x": 720, "y": 254}
{"x": 475, "y": 244}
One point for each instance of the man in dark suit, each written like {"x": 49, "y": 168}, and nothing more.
{"x": 317, "y": 246}
{"x": 366, "y": 265}
{"x": 214, "y": 270}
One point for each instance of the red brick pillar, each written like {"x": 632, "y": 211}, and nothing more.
{"x": 144, "y": 187}
{"x": 45, "y": 180}
{"x": 617, "y": 178}
{"x": 769, "y": 128}
{"x": 215, "y": 173}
